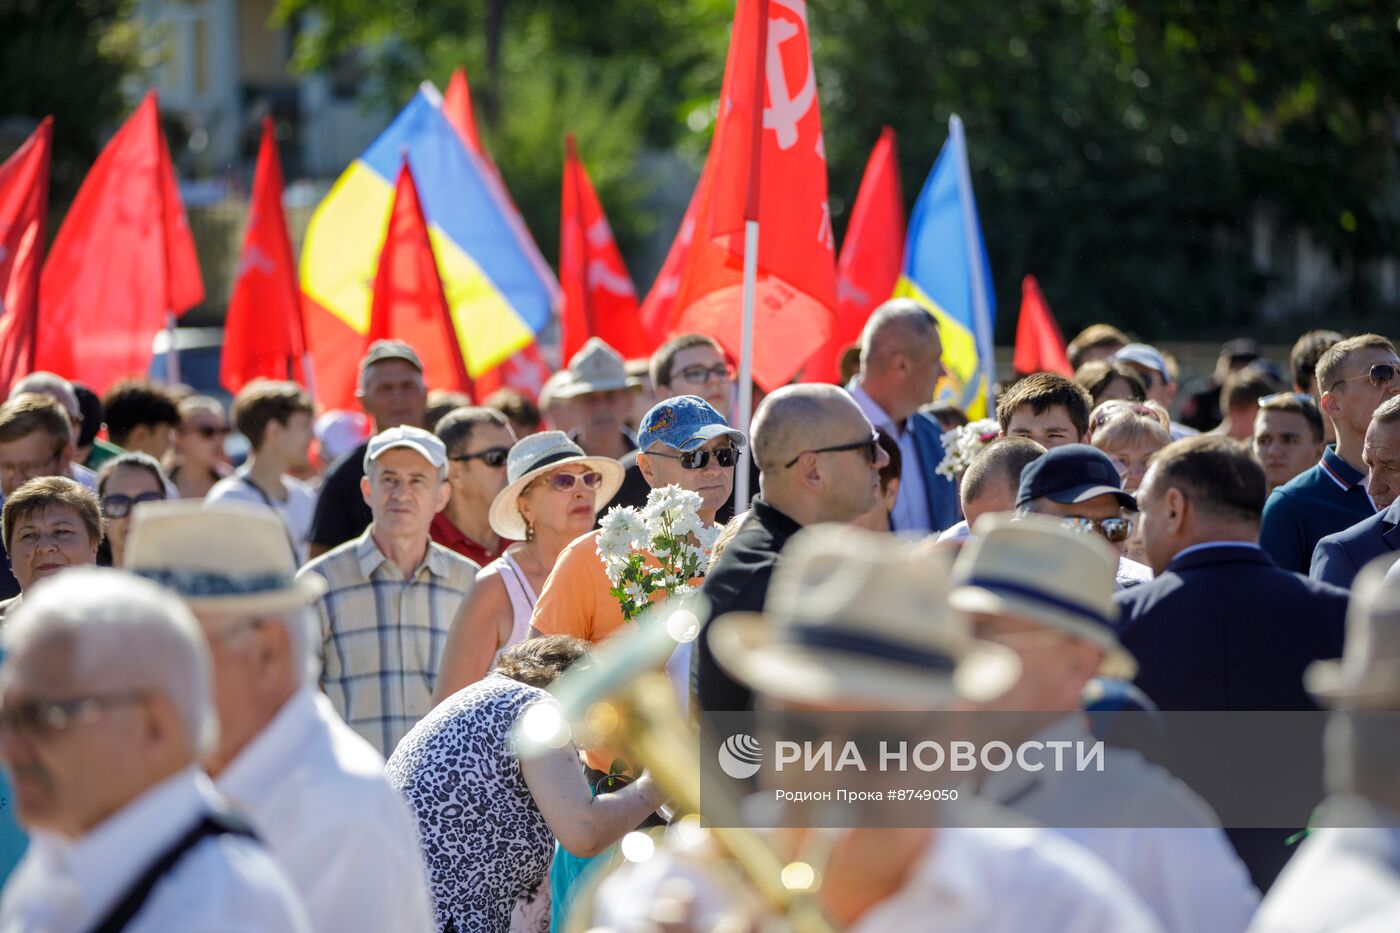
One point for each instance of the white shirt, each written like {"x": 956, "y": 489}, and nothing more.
{"x": 969, "y": 880}
{"x": 1339, "y": 877}
{"x": 911, "y": 505}
{"x": 316, "y": 794}
{"x": 958, "y": 532}
{"x": 1191, "y": 878}
{"x": 225, "y": 883}
{"x": 296, "y": 511}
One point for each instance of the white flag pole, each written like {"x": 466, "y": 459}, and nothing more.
{"x": 172, "y": 353}
{"x": 986, "y": 361}
{"x": 744, "y": 415}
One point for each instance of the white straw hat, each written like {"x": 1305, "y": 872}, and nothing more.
{"x": 1033, "y": 567}
{"x": 228, "y": 556}
{"x": 536, "y": 454}
{"x": 856, "y": 617}
{"x": 596, "y": 367}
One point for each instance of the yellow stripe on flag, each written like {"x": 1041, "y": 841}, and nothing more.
{"x": 962, "y": 383}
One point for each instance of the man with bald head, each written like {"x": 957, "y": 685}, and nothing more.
{"x": 819, "y": 460}
{"x": 900, "y": 364}
{"x": 107, "y": 706}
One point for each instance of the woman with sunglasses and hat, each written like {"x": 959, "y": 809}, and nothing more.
{"x": 125, "y": 482}
{"x": 552, "y": 496}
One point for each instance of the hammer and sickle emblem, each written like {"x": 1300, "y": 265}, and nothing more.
{"x": 786, "y": 110}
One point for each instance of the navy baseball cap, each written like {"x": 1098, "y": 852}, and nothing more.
{"x": 1070, "y": 474}
{"x": 685, "y": 422}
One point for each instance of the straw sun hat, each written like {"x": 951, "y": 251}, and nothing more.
{"x": 533, "y": 456}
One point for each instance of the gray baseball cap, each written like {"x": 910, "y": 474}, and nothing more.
{"x": 382, "y": 350}
{"x": 416, "y": 439}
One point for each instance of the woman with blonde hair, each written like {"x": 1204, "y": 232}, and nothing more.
{"x": 196, "y": 461}
{"x": 1130, "y": 433}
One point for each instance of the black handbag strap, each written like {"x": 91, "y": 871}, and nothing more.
{"x": 242, "y": 474}
{"x": 214, "y": 823}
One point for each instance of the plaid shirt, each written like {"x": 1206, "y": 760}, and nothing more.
{"x": 382, "y": 636}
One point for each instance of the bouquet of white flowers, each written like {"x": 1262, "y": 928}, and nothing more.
{"x": 667, "y": 529}
{"x": 961, "y": 444}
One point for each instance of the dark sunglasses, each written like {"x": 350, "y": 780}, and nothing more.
{"x": 871, "y": 448}
{"x": 699, "y": 375}
{"x": 1378, "y": 375}
{"x": 699, "y": 459}
{"x": 1116, "y": 530}
{"x": 563, "y": 482}
{"x": 491, "y": 456}
{"x": 119, "y": 506}
{"x": 209, "y": 432}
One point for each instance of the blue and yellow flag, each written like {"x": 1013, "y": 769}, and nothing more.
{"x": 500, "y": 290}
{"x": 946, "y": 270}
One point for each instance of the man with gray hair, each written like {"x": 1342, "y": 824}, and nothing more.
{"x": 313, "y": 789}
{"x": 819, "y": 460}
{"x": 901, "y": 360}
{"x": 106, "y": 709}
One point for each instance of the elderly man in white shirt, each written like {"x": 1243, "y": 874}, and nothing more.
{"x": 313, "y": 789}
{"x": 106, "y": 708}
{"x": 858, "y": 621}
{"x": 1046, "y": 592}
{"x": 1346, "y": 874}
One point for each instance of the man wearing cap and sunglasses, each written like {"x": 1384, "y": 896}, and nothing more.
{"x": 1080, "y": 486}
{"x": 1353, "y": 377}
{"x": 391, "y": 593}
{"x": 478, "y": 440}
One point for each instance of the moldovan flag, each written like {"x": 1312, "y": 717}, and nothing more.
{"x": 599, "y": 300}
{"x": 24, "y": 205}
{"x": 263, "y": 333}
{"x": 769, "y": 117}
{"x": 871, "y": 256}
{"x": 499, "y": 289}
{"x": 408, "y": 303}
{"x": 1040, "y": 347}
{"x": 122, "y": 263}
{"x": 944, "y": 242}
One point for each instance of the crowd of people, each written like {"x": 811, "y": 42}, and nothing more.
{"x": 284, "y": 695}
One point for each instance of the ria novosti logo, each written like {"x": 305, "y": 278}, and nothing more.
{"x": 740, "y": 756}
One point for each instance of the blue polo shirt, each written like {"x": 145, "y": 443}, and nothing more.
{"x": 1318, "y": 502}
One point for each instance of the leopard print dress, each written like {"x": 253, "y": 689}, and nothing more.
{"x": 485, "y": 843}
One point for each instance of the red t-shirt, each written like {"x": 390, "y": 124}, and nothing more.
{"x": 450, "y": 536}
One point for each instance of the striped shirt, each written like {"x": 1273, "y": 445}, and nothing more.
{"x": 382, "y": 635}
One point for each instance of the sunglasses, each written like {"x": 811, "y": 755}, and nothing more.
{"x": 119, "y": 506}
{"x": 699, "y": 375}
{"x": 1116, "y": 530}
{"x": 563, "y": 482}
{"x": 699, "y": 459}
{"x": 492, "y": 456}
{"x": 1381, "y": 374}
{"x": 209, "y": 432}
{"x": 39, "y": 717}
{"x": 871, "y": 448}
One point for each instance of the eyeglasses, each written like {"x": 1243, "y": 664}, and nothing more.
{"x": 1378, "y": 375}
{"x": 699, "y": 459}
{"x": 563, "y": 482}
{"x": 1116, "y": 407}
{"x": 871, "y": 448}
{"x": 492, "y": 456}
{"x": 1301, "y": 398}
{"x": 699, "y": 375}
{"x": 119, "y": 506}
{"x": 46, "y": 717}
{"x": 209, "y": 432}
{"x": 1116, "y": 530}
{"x": 33, "y": 469}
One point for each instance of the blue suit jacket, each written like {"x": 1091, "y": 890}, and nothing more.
{"x": 944, "y": 510}
{"x": 1225, "y": 628}
{"x": 1339, "y": 557}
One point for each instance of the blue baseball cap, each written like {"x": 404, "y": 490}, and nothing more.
{"x": 685, "y": 422}
{"x": 1146, "y": 356}
{"x": 1070, "y": 474}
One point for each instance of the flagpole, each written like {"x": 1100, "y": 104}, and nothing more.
{"x": 172, "y": 353}
{"x": 986, "y": 361}
{"x": 744, "y": 417}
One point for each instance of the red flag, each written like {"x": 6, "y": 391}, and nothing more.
{"x": 872, "y": 255}
{"x": 656, "y": 308}
{"x": 769, "y": 116}
{"x": 525, "y": 372}
{"x": 457, "y": 107}
{"x": 123, "y": 260}
{"x": 24, "y": 204}
{"x": 263, "y": 333}
{"x": 1040, "y": 347}
{"x": 409, "y": 303}
{"x": 599, "y": 300}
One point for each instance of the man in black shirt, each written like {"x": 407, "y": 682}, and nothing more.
{"x": 819, "y": 460}
{"x": 392, "y": 393}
